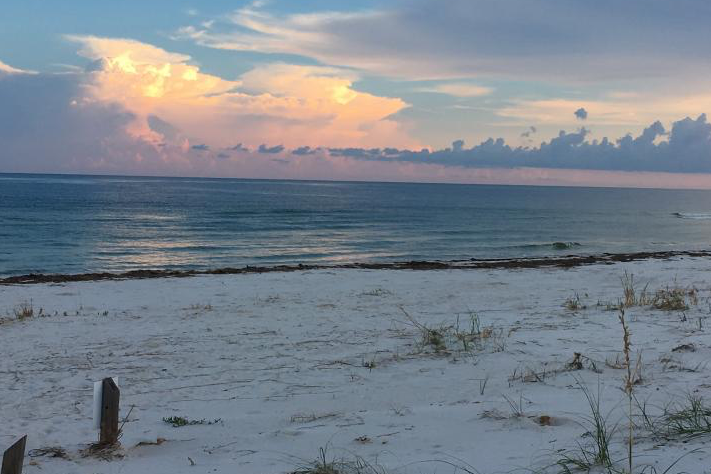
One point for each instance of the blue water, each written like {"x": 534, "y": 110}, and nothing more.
{"x": 75, "y": 224}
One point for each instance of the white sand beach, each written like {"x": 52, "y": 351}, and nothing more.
{"x": 287, "y": 364}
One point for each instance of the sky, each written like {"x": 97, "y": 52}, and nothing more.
{"x": 567, "y": 92}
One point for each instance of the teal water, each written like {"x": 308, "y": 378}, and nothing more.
{"x": 76, "y": 224}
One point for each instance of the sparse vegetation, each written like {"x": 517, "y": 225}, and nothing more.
{"x": 528, "y": 374}
{"x": 331, "y": 465}
{"x": 574, "y": 303}
{"x": 517, "y": 410}
{"x": 629, "y": 382}
{"x": 675, "y": 299}
{"x": 376, "y": 292}
{"x": 689, "y": 419}
{"x": 311, "y": 417}
{"x": 178, "y": 421}
{"x": 630, "y": 296}
{"x": 597, "y": 451}
{"x": 446, "y": 338}
{"x": 24, "y": 310}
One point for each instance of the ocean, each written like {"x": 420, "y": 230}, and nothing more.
{"x": 78, "y": 224}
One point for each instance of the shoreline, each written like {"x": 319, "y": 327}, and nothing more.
{"x": 567, "y": 261}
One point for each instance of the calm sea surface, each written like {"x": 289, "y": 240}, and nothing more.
{"x": 74, "y": 224}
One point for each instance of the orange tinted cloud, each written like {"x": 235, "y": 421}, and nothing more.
{"x": 277, "y": 103}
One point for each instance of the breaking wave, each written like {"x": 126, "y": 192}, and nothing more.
{"x": 693, "y": 215}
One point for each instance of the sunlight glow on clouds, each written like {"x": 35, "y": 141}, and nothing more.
{"x": 378, "y": 93}
{"x": 7, "y": 69}
{"x": 277, "y": 101}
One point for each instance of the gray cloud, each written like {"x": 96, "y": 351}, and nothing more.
{"x": 304, "y": 150}
{"x": 604, "y": 39}
{"x": 238, "y": 147}
{"x": 272, "y": 150}
{"x": 201, "y": 147}
{"x": 47, "y": 126}
{"x": 581, "y": 114}
{"x": 687, "y": 150}
{"x": 531, "y": 130}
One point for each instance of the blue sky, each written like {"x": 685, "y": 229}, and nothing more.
{"x": 406, "y": 74}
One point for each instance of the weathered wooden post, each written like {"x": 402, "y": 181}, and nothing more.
{"x": 109, "y": 412}
{"x": 13, "y": 457}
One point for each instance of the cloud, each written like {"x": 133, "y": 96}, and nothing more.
{"x": 270, "y": 150}
{"x": 7, "y": 69}
{"x": 238, "y": 147}
{"x": 137, "y": 109}
{"x": 125, "y": 53}
{"x": 271, "y": 100}
{"x": 581, "y": 114}
{"x": 459, "y": 89}
{"x": 687, "y": 150}
{"x": 48, "y": 125}
{"x": 432, "y": 39}
{"x": 531, "y": 130}
{"x": 304, "y": 150}
{"x": 557, "y": 111}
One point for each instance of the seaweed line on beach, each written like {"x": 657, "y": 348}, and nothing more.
{"x": 567, "y": 261}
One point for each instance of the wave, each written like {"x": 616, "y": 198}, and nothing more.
{"x": 693, "y": 215}
{"x": 549, "y": 246}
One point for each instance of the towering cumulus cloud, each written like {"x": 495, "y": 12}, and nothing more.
{"x": 139, "y": 108}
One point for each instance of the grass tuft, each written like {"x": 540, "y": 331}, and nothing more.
{"x": 325, "y": 464}
{"x": 689, "y": 419}
{"x": 595, "y": 453}
{"x": 675, "y": 299}
{"x": 630, "y": 296}
{"x": 24, "y": 310}
{"x": 574, "y": 303}
{"x": 444, "y": 339}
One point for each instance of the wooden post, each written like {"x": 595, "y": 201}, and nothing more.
{"x": 109, "y": 412}
{"x": 13, "y": 457}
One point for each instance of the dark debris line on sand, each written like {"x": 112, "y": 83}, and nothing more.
{"x": 567, "y": 261}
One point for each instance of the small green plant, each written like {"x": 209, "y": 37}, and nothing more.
{"x": 433, "y": 337}
{"x": 369, "y": 364}
{"x": 596, "y": 452}
{"x": 178, "y": 421}
{"x": 690, "y": 419}
{"x": 330, "y": 465}
{"x": 447, "y": 338}
{"x": 470, "y": 336}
